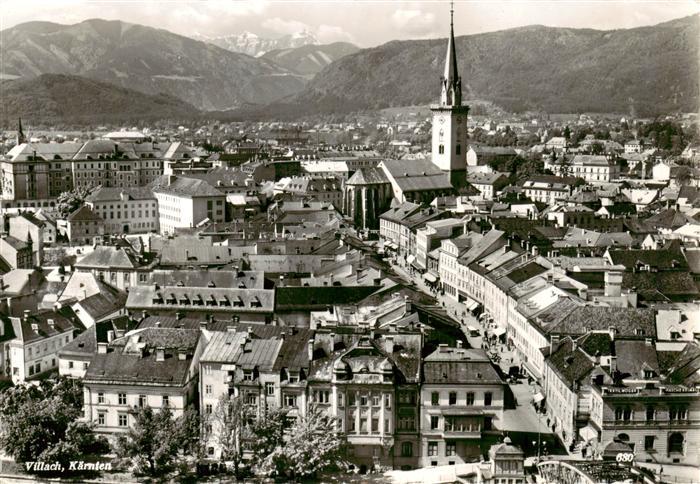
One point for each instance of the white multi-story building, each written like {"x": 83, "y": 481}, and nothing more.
{"x": 187, "y": 202}
{"x": 125, "y": 210}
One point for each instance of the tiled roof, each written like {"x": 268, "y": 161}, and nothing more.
{"x": 629, "y": 322}
{"x": 84, "y": 214}
{"x": 669, "y": 284}
{"x": 200, "y": 278}
{"x": 105, "y": 302}
{"x": 109, "y": 257}
{"x": 132, "y": 358}
{"x": 184, "y": 187}
{"x": 569, "y": 362}
{"x": 686, "y": 369}
{"x": 109, "y": 194}
{"x": 459, "y": 365}
{"x": 368, "y": 176}
{"x": 24, "y": 329}
{"x": 417, "y": 175}
{"x": 315, "y": 297}
{"x": 635, "y": 356}
{"x": 205, "y": 298}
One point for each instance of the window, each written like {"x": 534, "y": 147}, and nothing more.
{"x": 123, "y": 420}
{"x": 407, "y": 449}
{"x": 441, "y": 149}
{"x": 649, "y": 442}
{"x": 251, "y": 399}
{"x": 100, "y": 418}
{"x": 100, "y": 397}
{"x": 434, "y": 422}
{"x": 122, "y": 399}
{"x": 675, "y": 443}
{"x": 269, "y": 389}
{"x": 435, "y": 398}
{"x": 351, "y": 400}
{"x": 453, "y": 398}
{"x": 166, "y": 401}
{"x": 450, "y": 449}
{"x": 678, "y": 413}
{"x": 470, "y": 398}
{"x": 142, "y": 400}
{"x": 207, "y": 389}
{"x": 458, "y": 149}
{"x": 407, "y": 423}
{"x": 488, "y": 397}
{"x": 432, "y": 448}
{"x": 248, "y": 375}
{"x": 375, "y": 400}
{"x": 363, "y": 400}
{"x": 70, "y": 364}
{"x": 488, "y": 423}
{"x": 322, "y": 396}
{"x": 651, "y": 414}
{"x": 290, "y": 400}
{"x": 375, "y": 425}
{"x": 408, "y": 398}
{"x": 208, "y": 409}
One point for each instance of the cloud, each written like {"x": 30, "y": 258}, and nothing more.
{"x": 332, "y": 33}
{"x": 284, "y": 27}
{"x": 414, "y": 22}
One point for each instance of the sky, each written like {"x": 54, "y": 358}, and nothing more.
{"x": 365, "y": 23}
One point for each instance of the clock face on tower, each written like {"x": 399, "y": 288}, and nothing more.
{"x": 441, "y": 119}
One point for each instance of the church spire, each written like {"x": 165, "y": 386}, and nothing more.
{"x": 20, "y": 134}
{"x": 451, "y": 82}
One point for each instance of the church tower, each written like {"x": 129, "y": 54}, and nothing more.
{"x": 20, "y": 134}
{"x": 449, "y": 148}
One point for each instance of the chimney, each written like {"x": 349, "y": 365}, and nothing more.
{"x": 283, "y": 335}
{"x": 171, "y": 179}
{"x": 51, "y": 323}
{"x": 553, "y": 343}
{"x": 443, "y": 348}
{"x": 160, "y": 353}
{"x": 550, "y": 278}
{"x": 648, "y": 341}
{"x": 613, "y": 364}
{"x": 110, "y": 336}
{"x": 612, "y": 330}
{"x": 311, "y": 350}
{"x": 101, "y": 347}
{"x": 574, "y": 346}
{"x": 409, "y": 307}
{"x": 613, "y": 283}
{"x": 182, "y": 355}
{"x": 25, "y": 315}
{"x": 144, "y": 315}
{"x": 393, "y": 327}
{"x": 178, "y": 316}
{"x": 459, "y": 343}
{"x": 157, "y": 324}
{"x": 230, "y": 329}
{"x": 203, "y": 325}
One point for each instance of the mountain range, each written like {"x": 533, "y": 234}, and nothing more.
{"x": 255, "y": 46}
{"x": 145, "y": 59}
{"x": 309, "y": 60}
{"x": 644, "y": 70}
{"x": 78, "y": 100}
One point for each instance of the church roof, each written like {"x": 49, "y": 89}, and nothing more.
{"x": 416, "y": 175}
{"x": 368, "y": 176}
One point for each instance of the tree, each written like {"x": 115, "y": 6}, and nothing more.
{"x": 683, "y": 175}
{"x": 311, "y": 445}
{"x": 39, "y": 423}
{"x": 152, "y": 442}
{"x": 69, "y": 202}
{"x": 229, "y": 423}
{"x": 267, "y": 432}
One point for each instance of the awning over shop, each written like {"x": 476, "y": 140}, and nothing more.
{"x": 390, "y": 245}
{"x": 499, "y": 331}
{"x": 471, "y": 304}
{"x": 588, "y": 433}
{"x": 538, "y": 397}
{"x": 410, "y": 259}
{"x": 429, "y": 277}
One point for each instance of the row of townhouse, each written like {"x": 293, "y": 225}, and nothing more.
{"x": 535, "y": 304}
{"x": 395, "y": 407}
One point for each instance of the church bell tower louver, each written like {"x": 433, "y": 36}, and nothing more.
{"x": 449, "y": 146}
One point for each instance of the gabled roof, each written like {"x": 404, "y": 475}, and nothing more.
{"x": 181, "y": 186}
{"x": 108, "y": 256}
{"x": 569, "y": 362}
{"x": 459, "y": 365}
{"x": 416, "y": 175}
{"x": 368, "y": 176}
{"x": 84, "y": 214}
